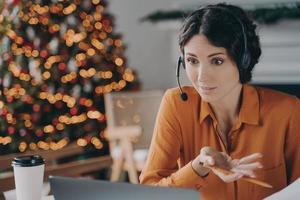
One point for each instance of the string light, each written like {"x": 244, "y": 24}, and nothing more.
{"x": 99, "y": 90}
{"x": 81, "y": 142}
{"x": 105, "y": 74}
{"x": 94, "y": 114}
{"x": 110, "y": 41}
{"x": 91, "y": 52}
{"x": 60, "y": 126}
{"x": 28, "y": 123}
{"x": 51, "y": 60}
{"x": 64, "y": 119}
{"x": 33, "y": 146}
{"x": 11, "y": 34}
{"x": 87, "y": 73}
{"x": 46, "y": 75}
{"x": 68, "y": 10}
{"x": 118, "y": 43}
{"x": 43, "y": 145}
{"x": 128, "y": 76}
{"x": 80, "y": 57}
{"x": 97, "y": 44}
{"x": 102, "y": 35}
{"x": 56, "y": 8}
{"x": 108, "y": 29}
{"x": 22, "y": 146}
{"x": 5, "y": 140}
{"x": 122, "y": 83}
{"x": 95, "y": 2}
{"x": 70, "y": 36}
{"x": 54, "y": 28}
{"x": 119, "y": 61}
{"x": 97, "y": 142}
{"x": 98, "y": 25}
{"x": 68, "y": 77}
{"x": 84, "y": 46}
{"x": 41, "y": 9}
{"x": 49, "y": 129}
{"x": 33, "y": 21}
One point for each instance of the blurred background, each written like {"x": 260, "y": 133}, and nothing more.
{"x": 82, "y": 80}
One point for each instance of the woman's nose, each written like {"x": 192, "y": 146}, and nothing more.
{"x": 202, "y": 72}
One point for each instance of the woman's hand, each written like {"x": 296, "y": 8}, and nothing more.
{"x": 240, "y": 167}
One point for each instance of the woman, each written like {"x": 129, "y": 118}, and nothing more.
{"x": 225, "y": 123}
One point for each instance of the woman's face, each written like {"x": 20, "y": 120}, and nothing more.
{"x": 210, "y": 69}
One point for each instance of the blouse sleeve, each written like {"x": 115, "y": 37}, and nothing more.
{"x": 161, "y": 167}
{"x": 292, "y": 146}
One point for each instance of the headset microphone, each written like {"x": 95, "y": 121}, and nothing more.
{"x": 183, "y": 95}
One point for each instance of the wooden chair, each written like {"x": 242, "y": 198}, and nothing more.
{"x": 72, "y": 169}
{"x": 130, "y": 122}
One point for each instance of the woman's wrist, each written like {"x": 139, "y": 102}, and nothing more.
{"x": 199, "y": 168}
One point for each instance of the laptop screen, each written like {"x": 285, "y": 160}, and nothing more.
{"x": 64, "y": 188}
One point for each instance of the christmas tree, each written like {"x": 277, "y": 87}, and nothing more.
{"x": 58, "y": 59}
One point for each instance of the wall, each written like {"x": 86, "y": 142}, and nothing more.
{"x": 152, "y": 48}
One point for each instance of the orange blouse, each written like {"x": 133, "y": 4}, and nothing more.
{"x": 268, "y": 122}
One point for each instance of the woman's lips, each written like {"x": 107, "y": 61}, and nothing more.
{"x": 206, "y": 89}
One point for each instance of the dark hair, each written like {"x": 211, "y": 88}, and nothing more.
{"x": 221, "y": 24}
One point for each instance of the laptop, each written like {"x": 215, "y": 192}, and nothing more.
{"x": 64, "y": 188}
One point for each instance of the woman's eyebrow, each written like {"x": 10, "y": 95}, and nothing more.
{"x": 213, "y": 54}
{"x": 191, "y": 54}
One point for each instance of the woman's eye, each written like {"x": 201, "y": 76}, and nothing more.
{"x": 192, "y": 61}
{"x": 217, "y": 61}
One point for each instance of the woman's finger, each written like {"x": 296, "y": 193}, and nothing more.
{"x": 249, "y": 173}
{"x": 250, "y": 166}
{"x": 227, "y": 177}
{"x": 250, "y": 158}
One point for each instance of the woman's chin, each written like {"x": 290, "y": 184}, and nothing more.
{"x": 207, "y": 98}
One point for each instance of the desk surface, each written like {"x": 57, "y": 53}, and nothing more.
{"x": 11, "y": 194}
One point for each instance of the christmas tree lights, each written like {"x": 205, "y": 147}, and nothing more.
{"x": 58, "y": 59}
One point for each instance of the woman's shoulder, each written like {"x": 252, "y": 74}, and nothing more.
{"x": 278, "y": 98}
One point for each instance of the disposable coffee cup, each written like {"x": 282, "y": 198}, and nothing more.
{"x": 29, "y": 174}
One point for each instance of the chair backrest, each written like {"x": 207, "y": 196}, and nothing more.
{"x": 134, "y": 108}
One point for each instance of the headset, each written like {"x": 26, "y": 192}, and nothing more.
{"x": 246, "y": 56}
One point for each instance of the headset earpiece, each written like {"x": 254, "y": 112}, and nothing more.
{"x": 246, "y": 60}
{"x": 182, "y": 61}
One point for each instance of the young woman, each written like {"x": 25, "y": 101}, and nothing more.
{"x": 224, "y": 122}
